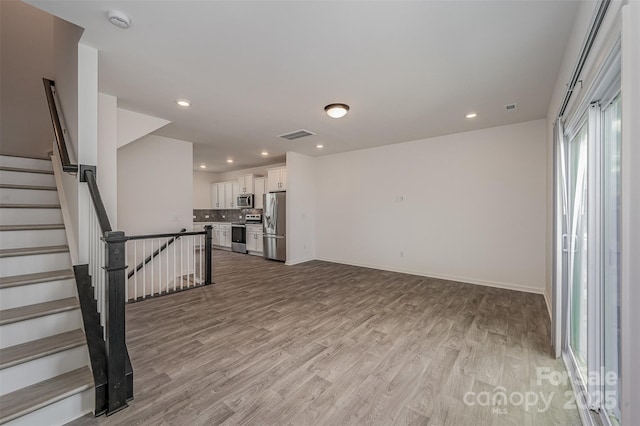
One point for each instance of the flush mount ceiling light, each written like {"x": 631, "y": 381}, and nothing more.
{"x": 336, "y": 110}
{"x": 203, "y": 166}
{"x": 183, "y": 103}
{"x": 264, "y": 153}
{"x": 471, "y": 115}
{"x": 119, "y": 19}
{"x": 229, "y": 160}
{"x": 319, "y": 146}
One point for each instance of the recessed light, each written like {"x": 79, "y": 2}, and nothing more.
{"x": 203, "y": 166}
{"x": 319, "y": 146}
{"x": 183, "y": 103}
{"x": 336, "y": 110}
{"x": 229, "y": 160}
{"x": 471, "y": 115}
{"x": 265, "y": 153}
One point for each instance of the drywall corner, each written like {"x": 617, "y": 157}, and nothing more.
{"x": 301, "y": 208}
{"x": 134, "y": 125}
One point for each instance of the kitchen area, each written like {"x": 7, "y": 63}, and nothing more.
{"x": 247, "y": 214}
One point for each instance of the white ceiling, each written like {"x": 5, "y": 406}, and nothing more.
{"x": 256, "y": 70}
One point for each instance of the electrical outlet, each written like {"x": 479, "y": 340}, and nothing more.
{"x": 399, "y": 198}
{"x": 206, "y": 216}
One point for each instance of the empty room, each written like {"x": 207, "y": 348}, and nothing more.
{"x": 319, "y": 212}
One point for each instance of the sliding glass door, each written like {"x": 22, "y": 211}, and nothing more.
{"x": 589, "y": 220}
{"x": 577, "y": 243}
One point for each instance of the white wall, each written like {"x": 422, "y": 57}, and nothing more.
{"x": 26, "y": 45}
{"x": 202, "y": 188}
{"x": 66, "y": 37}
{"x": 467, "y": 207}
{"x": 155, "y": 185}
{"x": 301, "y": 208}
{"x": 87, "y": 150}
{"x": 65, "y": 51}
{"x": 108, "y": 155}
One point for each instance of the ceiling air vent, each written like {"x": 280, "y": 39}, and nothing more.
{"x": 296, "y": 135}
{"x": 510, "y": 107}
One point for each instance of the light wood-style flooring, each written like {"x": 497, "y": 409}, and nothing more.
{"x": 329, "y": 344}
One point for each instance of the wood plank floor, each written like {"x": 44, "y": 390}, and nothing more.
{"x": 328, "y": 344}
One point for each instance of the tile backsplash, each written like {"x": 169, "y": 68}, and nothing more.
{"x": 200, "y": 215}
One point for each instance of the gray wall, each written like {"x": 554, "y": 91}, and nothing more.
{"x": 26, "y": 37}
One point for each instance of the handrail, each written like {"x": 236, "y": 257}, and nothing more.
{"x": 89, "y": 177}
{"x": 155, "y": 253}
{"x": 182, "y": 233}
{"x": 67, "y": 166}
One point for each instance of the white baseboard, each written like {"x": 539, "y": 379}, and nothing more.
{"x": 548, "y": 303}
{"x": 506, "y": 286}
{"x": 299, "y": 261}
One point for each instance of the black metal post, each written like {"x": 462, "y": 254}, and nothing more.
{"x": 208, "y": 261}
{"x": 115, "y": 343}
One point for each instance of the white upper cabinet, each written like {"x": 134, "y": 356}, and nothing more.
{"x": 217, "y": 196}
{"x": 259, "y": 188}
{"x": 235, "y": 188}
{"x": 245, "y": 184}
{"x": 230, "y": 192}
{"x": 277, "y": 179}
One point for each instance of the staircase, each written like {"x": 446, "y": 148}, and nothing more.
{"x": 44, "y": 363}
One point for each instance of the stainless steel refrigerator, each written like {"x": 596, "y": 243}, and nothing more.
{"x": 274, "y": 226}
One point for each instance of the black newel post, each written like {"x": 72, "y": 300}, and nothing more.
{"x": 208, "y": 258}
{"x": 115, "y": 343}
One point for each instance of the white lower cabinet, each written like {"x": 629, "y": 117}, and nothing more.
{"x": 254, "y": 239}
{"x": 221, "y": 235}
{"x": 225, "y": 238}
{"x": 215, "y": 235}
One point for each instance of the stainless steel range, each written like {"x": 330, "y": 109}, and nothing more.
{"x": 239, "y": 232}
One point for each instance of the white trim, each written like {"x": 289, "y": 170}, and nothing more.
{"x": 64, "y": 207}
{"x": 548, "y": 303}
{"x": 466, "y": 280}
{"x": 299, "y": 261}
{"x": 630, "y": 202}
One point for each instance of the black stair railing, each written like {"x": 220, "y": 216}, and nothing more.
{"x": 152, "y": 256}
{"x": 67, "y": 165}
{"x": 106, "y": 335}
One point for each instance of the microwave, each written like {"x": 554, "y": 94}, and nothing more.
{"x": 245, "y": 201}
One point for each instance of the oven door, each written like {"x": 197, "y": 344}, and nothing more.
{"x": 239, "y": 238}
{"x": 238, "y": 234}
